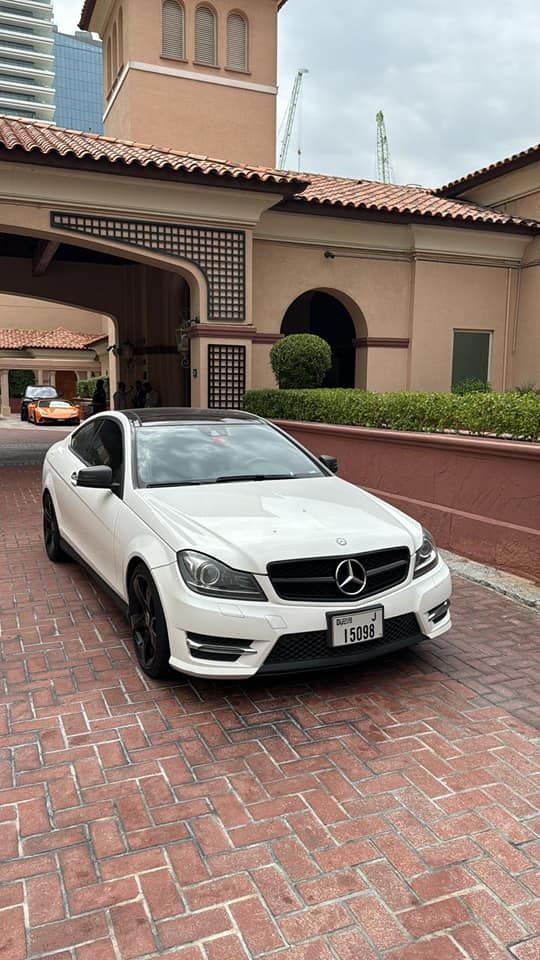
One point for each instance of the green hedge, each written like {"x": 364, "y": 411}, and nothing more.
{"x": 495, "y": 414}
{"x": 19, "y": 380}
{"x": 86, "y": 388}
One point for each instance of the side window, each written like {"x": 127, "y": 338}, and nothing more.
{"x": 101, "y": 444}
{"x": 471, "y": 356}
{"x": 84, "y": 446}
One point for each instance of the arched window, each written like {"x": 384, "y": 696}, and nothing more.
{"x": 173, "y": 30}
{"x": 205, "y": 36}
{"x": 109, "y": 65}
{"x": 120, "y": 38}
{"x": 237, "y": 42}
{"x": 115, "y": 52}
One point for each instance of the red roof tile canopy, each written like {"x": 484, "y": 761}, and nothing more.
{"x": 307, "y": 192}
{"x": 48, "y": 139}
{"x": 394, "y": 200}
{"x": 89, "y": 7}
{"x": 498, "y": 169}
{"x": 59, "y": 339}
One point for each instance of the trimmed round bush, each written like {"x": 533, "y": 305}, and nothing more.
{"x": 300, "y": 361}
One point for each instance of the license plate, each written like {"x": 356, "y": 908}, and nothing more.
{"x": 350, "y": 629}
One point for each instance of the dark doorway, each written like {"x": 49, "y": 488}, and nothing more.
{"x": 322, "y": 314}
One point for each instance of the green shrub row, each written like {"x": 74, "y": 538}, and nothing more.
{"x": 494, "y": 414}
{"x": 19, "y": 380}
{"x": 86, "y": 388}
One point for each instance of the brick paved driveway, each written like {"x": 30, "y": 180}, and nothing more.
{"x": 392, "y": 813}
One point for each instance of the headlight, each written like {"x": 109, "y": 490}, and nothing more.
{"x": 215, "y": 579}
{"x": 427, "y": 556}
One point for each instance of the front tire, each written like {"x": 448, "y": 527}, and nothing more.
{"x": 51, "y": 532}
{"x": 148, "y": 624}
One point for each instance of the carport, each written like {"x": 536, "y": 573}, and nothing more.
{"x": 47, "y": 362}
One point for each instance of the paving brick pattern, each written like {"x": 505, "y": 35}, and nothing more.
{"x": 392, "y": 813}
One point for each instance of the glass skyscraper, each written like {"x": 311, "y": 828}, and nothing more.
{"x": 27, "y": 59}
{"x": 79, "y": 81}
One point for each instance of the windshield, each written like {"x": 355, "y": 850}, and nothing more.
{"x": 33, "y": 393}
{"x": 192, "y": 453}
{"x": 55, "y": 404}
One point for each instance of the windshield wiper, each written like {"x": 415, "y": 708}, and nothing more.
{"x": 256, "y": 477}
{"x": 183, "y": 483}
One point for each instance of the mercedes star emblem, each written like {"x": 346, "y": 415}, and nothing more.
{"x": 351, "y": 577}
{"x": 341, "y": 541}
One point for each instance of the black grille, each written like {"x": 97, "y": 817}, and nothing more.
{"x": 305, "y": 649}
{"x": 316, "y": 579}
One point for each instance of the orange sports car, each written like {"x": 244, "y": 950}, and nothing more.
{"x": 54, "y": 411}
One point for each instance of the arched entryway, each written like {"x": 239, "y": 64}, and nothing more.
{"x": 147, "y": 301}
{"x": 338, "y": 321}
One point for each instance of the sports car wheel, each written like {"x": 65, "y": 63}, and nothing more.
{"x": 148, "y": 624}
{"x": 51, "y": 533}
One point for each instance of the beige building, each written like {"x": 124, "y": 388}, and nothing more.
{"x": 201, "y": 264}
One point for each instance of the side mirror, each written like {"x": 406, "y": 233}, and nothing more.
{"x": 98, "y": 478}
{"x": 329, "y": 462}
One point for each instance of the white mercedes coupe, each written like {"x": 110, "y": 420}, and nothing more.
{"x": 233, "y": 550}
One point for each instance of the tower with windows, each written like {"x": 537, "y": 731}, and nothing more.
{"x": 196, "y": 76}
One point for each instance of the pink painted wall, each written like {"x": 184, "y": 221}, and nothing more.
{"x": 479, "y": 497}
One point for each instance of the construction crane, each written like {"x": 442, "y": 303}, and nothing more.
{"x": 290, "y": 117}
{"x": 384, "y": 169}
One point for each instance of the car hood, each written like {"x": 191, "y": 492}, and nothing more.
{"x": 248, "y": 525}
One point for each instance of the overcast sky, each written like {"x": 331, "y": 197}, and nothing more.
{"x": 459, "y": 82}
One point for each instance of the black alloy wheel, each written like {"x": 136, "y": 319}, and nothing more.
{"x": 148, "y": 624}
{"x": 51, "y": 532}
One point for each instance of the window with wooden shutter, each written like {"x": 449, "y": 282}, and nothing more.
{"x": 237, "y": 42}
{"x": 120, "y": 38}
{"x": 173, "y": 23}
{"x": 115, "y": 52}
{"x": 205, "y": 36}
{"x": 109, "y": 65}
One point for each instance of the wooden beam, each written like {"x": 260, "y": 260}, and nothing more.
{"x": 44, "y": 254}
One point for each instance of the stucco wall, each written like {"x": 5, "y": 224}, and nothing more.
{"x": 202, "y": 118}
{"x": 220, "y": 120}
{"x": 516, "y": 192}
{"x": 20, "y": 313}
{"x": 454, "y": 296}
{"x": 526, "y": 337}
{"x": 419, "y": 296}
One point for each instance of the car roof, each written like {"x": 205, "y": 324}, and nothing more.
{"x": 160, "y": 415}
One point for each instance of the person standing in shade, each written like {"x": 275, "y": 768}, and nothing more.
{"x": 99, "y": 400}
{"x": 120, "y": 396}
{"x": 139, "y": 395}
{"x": 153, "y": 398}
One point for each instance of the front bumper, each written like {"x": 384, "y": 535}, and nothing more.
{"x": 234, "y": 639}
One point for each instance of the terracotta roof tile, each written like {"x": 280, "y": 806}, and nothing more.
{"x": 46, "y": 138}
{"x": 310, "y": 189}
{"x": 497, "y": 169}
{"x": 59, "y": 339}
{"x": 389, "y": 198}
